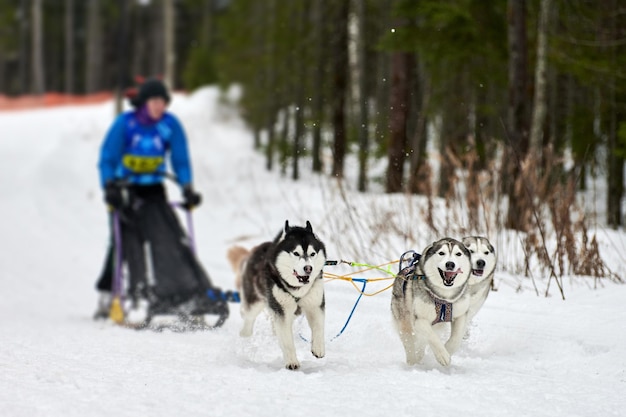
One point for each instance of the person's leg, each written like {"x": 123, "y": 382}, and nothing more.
{"x": 105, "y": 281}
{"x": 106, "y": 276}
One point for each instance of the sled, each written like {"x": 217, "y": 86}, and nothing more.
{"x": 205, "y": 310}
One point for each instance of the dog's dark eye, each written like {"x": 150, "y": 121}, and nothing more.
{"x": 296, "y": 253}
{"x": 312, "y": 254}
{"x": 458, "y": 254}
{"x": 486, "y": 252}
{"x": 441, "y": 253}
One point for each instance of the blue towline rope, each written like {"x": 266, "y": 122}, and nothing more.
{"x": 216, "y": 294}
{"x": 356, "y": 303}
{"x": 364, "y": 281}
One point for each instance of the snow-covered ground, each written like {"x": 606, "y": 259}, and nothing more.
{"x": 526, "y": 355}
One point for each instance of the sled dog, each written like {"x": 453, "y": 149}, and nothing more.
{"x": 434, "y": 290}
{"x": 483, "y": 257}
{"x": 285, "y": 277}
{"x": 237, "y": 257}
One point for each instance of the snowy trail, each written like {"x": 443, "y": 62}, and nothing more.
{"x": 526, "y": 355}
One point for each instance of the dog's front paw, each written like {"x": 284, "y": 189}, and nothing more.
{"x": 443, "y": 357}
{"x": 412, "y": 361}
{"x": 293, "y": 366}
{"x": 318, "y": 354}
{"x": 317, "y": 349}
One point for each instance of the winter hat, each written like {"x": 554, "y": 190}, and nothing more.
{"x": 150, "y": 88}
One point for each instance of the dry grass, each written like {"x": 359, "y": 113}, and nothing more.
{"x": 556, "y": 241}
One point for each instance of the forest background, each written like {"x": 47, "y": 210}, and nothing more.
{"x": 508, "y": 110}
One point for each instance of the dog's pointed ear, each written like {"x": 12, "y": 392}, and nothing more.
{"x": 427, "y": 250}
{"x": 309, "y": 228}
{"x": 286, "y": 226}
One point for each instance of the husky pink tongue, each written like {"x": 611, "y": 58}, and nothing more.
{"x": 450, "y": 275}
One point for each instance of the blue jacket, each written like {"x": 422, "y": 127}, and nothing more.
{"x": 138, "y": 152}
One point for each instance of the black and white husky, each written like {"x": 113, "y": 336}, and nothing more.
{"x": 285, "y": 277}
{"x": 483, "y": 267}
{"x": 435, "y": 290}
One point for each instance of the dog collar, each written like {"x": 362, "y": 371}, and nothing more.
{"x": 416, "y": 277}
{"x": 413, "y": 277}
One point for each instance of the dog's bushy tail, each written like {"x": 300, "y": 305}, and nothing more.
{"x": 237, "y": 257}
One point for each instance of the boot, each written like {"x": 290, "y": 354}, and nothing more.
{"x": 138, "y": 311}
{"x": 104, "y": 306}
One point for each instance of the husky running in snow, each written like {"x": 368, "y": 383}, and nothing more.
{"x": 483, "y": 257}
{"x": 285, "y": 277}
{"x": 434, "y": 291}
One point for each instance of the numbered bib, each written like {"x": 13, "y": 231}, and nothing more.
{"x": 142, "y": 164}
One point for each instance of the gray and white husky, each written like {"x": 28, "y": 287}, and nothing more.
{"x": 483, "y": 268}
{"x": 285, "y": 277}
{"x": 435, "y": 290}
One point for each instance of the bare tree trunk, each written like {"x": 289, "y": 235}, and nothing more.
{"x": 69, "y": 46}
{"x": 140, "y": 42}
{"x": 399, "y": 108}
{"x": 417, "y": 145}
{"x": 340, "y": 85}
{"x": 518, "y": 62}
{"x": 540, "y": 100}
{"x": 318, "y": 112}
{"x": 272, "y": 105}
{"x": 615, "y": 162}
{"x": 38, "y": 81}
{"x": 206, "y": 38}
{"x": 363, "y": 98}
{"x": 156, "y": 54}
{"x": 517, "y": 131}
{"x": 301, "y": 14}
{"x": 3, "y": 84}
{"x": 23, "y": 55}
{"x": 284, "y": 140}
{"x": 169, "y": 17}
{"x": 261, "y": 47}
{"x": 615, "y": 177}
{"x": 94, "y": 47}
{"x": 122, "y": 57}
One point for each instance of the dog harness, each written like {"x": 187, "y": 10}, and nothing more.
{"x": 443, "y": 309}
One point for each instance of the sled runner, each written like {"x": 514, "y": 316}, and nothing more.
{"x": 163, "y": 270}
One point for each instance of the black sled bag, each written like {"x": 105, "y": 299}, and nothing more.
{"x": 160, "y": 258}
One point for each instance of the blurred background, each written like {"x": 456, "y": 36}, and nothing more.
{"x": 514, "y": 101}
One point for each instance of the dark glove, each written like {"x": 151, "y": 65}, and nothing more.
{"x": 192, "y": 198}
{"x": 114, "y": 195}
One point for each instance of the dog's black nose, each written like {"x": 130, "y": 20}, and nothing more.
{"x": 450, "y": 266}
{"x": 480, "y": 263}
{"x": 308, "y": 269}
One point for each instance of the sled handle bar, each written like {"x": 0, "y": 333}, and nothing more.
{"x": 190, "y": 232}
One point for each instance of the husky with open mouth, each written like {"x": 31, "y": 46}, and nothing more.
{"x": 432, "y": 291}
{"x": 483, "y": 268}
{"x": 285, "y": 277}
